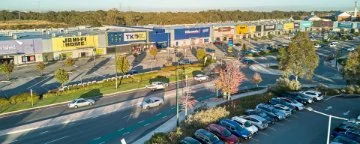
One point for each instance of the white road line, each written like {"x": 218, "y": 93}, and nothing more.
{"x": 255, "y": 139}
{"x": 120, "y": 129}
{"x": 264, "y": 133}
{"x": 56, "y": 140}
{"x": 164, "y": 116}
{"x": 97, "y": 138}
{"x": 272, "y": 128}
{"x": 173, "y": 107}
{"x": 44, "y": 132}
{"x": 158, "y": 114}
{"x": 346, "y": 113}
{"x": 102, "y": 142}
{"x": 127, "y": 116}
{"x": 141, "y": 121}
{"x": 147, "y": 124}
{"x": 125, "y": 133}
{"x": 279, "y": 124}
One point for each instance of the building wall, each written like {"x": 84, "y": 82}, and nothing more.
{"x": 269, "y": 27}
{"x": 222, "y": 33}
{"x": 288, "y": 26}
{"x": 242, "y": 29}
{"x": 159, "y": 38}
{"x": 73, "y": 43}
{"x": 279, "y": 26}
{"x": 121, "y": 38}
{"x": 252, "y": 29}
{"x": 305, "y": 25}
{"x": 188, "y": 33}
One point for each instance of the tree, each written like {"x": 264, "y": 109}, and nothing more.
{"x": 69, "y": 62}
{"x": 300, "y": 58}
{"x": 62, "y": 76}
{"x": 270, "y": 36}
{"x": 122, "y": 64}
{"x": 230, "y": 79}
{"x": 352, "y": 67}
{"x": 40, "y": 67}
{"x": 200, "y": 54}
{"x": 244, "y": 48}
{"x": 188, "y": 102}
{"x": 7, "y": 69}
{"x": 153, "y": 51}
{"x": 257, "y": 79}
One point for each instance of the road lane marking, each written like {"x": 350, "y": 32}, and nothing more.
{"x": 173, "y": 107}
{"x": 120, "y": 129}
{"x": 328, "y": 108}
{"x": 264, "y": 133}
{"x": 279, "y": 124}
{"x": 56, "y": 139}
{"x": 44, "y": 132}
{"x": 164, "y": 116}
{"x": 158, "y": 114}
{"x": 97, "y": 138}
{"x": 147, "y": 124}
{"x": 125, "y": 133}
{"x": 272, "y": 128}
{"x": 255, "y": 139}
{"x": 141, "y": 121}
{"x": 346, "y": 113}
{"x": 102, "y": 142}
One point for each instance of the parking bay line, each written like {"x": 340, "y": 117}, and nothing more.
{"x": 44, "y": 132}
{"x": 146, "y": 124}
{"x": 125, "y": 133}
{"x": 279, "y": 124}
{"x": 97, "y": 138}
{"x": 263, "y": 133}
{"x": 272, "y": 128}
{"x": 56, "y": 139}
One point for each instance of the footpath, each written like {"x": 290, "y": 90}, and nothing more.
{"x": 170, "y": 125}
{"x": 92, "y": 113}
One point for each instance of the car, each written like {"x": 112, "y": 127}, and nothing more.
{"x": 334, "y": 42}
{"x": 300, "y": 98}
{"x": 184, "y": 61}
{"x": 254, "y": 51}
{"x": 317, "y": 46}
{"x": 189, "y": 140}
{"x": 244, "y": 123}
{"x": 132, "y": 72}
{"x": 151, "y": 102}
{"x": 80, "y": 102}
{"x": 259, "y": 122}
{"x": 313, "y": 94}
{"x": 235, "y": 128}
{"x": 201, "y": 77}
{"x": 207, "y": 137}
{"x": 157, "y": 85}
{"x": 358, "y": 118}
{"x": 343, "y": 140}
{"x": 283, "y": 108}
{"x": 262, "y": 114}
{"x": 332, "y": 45}
{"x": 294, "y": 103}
{"x": 222, "y": 133}
{"x": 350, "y": 49}
{"x": 271, "y": 111}
{"x": 248, "y": 61}
{"x": 349, "y": 133}
{"x": 274, "y": 101}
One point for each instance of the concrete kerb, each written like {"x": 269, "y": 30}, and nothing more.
{"x": 170, "y": 125}
{"x": 92, "y": 113}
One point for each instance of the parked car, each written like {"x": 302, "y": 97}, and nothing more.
{"x": 274, "y": 101}
{"x": 270, "y": 118}
{"x": 343, "y": 140}
{"x": 157, "y": 85}
{"x": 80, "y": 102}
{"x": 184, "y": 61}
{"x": 350, "y": 49}
{"x": 201, "y": 77}
{"x": 132, "y": 72}
{"x": 313, "y": 94}
{"x": 294, "y": 103}
{"x": 247, "y": 61}
{"x": 235, "y": 128}
{"x": 345, "y": 132}
{"x": 222, "y": 133}
{"x": 189, "y": 140}
{"x": 358, "y": 118}
{"x": 244, "y": 123}
{"x": 332, "y": 45}
{"x": 259, "y": 122}
{"x": 283, "y": 108}
{"x": 300, "y": 98}
{"x": 151, "y": 102}
{"x": 207, "y": 137}
{"x": 317, "y": 46}
{"x": 271, "y": 111}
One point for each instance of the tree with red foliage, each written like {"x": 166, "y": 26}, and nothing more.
{"x": 188, "y": 102}
{"x": 230, "y": 79}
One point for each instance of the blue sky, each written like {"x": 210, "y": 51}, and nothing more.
{"x": 181, "y": 5}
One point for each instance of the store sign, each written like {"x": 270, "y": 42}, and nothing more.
{"x": 135, "y": 36}
{"x": 76, "y": 41}
{"x": 223, "y": 29}
{"x": 192, "y": 31}
{"x": 187, "y": 33}
{"x": 288, "y": 26}
{"x": 345, "y": 25}
{"x": 70, "y": 43}
{"x": 29, "y": 46}
{"x": 296, "y": 25}
{"x": 279, "y": 26}
{"x": 269, "y": 27}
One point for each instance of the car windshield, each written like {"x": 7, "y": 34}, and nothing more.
{"x": 214, "y": 138}
{"x": 148, "y": 101}
{"x": 226, "y": 133}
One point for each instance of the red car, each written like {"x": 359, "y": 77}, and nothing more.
{"x": 223, "y": 133}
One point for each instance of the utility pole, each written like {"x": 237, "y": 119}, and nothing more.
{"x": 32, "y": 100}
{"x": 329, "y": 127}
{"x": 116, "y": 77}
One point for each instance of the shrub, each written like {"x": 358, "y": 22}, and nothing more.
{"x": 4, "y": 101}
{"x": 24, "y": 97}
{"x": 206, "y": 117}
{"x": 350, "y": 89}
{"x": 249, "y": 55}
{"x": 284, "y": 84}
{"x": 357, "y": 89}
{"x": 159, "y": 138}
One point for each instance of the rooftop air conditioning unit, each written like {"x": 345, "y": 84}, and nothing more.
{"x": 48, "y": 32}
{"x": 53, "y": 35}
{"x": 79, "y": 33}
{"x": 14, "y": 37}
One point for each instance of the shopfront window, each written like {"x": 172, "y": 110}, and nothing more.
{"x": 30, "y": 58}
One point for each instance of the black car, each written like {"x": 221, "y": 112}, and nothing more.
{"x": 300, "y": 98}
{"x": 274, "y": 101}
{"x": 269, "y": 118}
{"x": 132, "y": 72}
{"x": 247, "y": 61}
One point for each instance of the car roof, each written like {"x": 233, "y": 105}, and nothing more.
{"x": 256, "y": 117}
{"x": 217, "y": 127}
{"x": 204, "y": 132}
{"x": 155, "y": 98}
{"x": 79, "y": 99}
{"x": 191, "y": 139}
{"x": 230, "y": 121}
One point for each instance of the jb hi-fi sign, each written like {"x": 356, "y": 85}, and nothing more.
{"x": 223, "y": 29}
{"x": 76, "y": 41}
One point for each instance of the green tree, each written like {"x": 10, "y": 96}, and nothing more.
{"x": 200, "y": 54}
{"x": 153, "y": 51}
{"x": 244, "y": 47}
{"x": 159, "y": 138}
{"x": 69, "y": 62}
{"x": 40, "y": 67}
{"x": 61, "y": 76}
{"x": 7, "y": 69}
{"x": 300, "y": 58}
{"x": 122, "y": 64}
{"x": 352, "y": 67}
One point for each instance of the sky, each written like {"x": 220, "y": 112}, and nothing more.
{"x": 176, "y": 5}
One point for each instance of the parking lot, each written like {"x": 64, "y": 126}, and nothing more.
{"x": 306, "y": 127}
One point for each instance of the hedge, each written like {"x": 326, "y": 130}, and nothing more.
{"x": 4, "y": 101}
{"x": 24, "y": 97}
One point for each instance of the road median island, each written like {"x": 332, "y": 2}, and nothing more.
{"x": 101, "y": 89}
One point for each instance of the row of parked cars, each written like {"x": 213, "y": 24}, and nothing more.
{"x": 241, "y": 128}
{"x": 346, "y": 133}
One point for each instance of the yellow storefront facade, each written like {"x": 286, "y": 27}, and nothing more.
{"x": 242, "y": 29}
{"x": 288, "y": 26}
{"x": 76, "y": 47}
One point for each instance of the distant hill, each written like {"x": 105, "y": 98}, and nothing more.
{"x": 29, "y": 24}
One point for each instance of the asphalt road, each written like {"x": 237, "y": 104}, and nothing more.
{"x": 307, "y": 127}
{"x": 129, "y": 124}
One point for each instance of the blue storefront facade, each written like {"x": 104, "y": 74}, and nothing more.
{"x": 159, "y": 38}
{"x": 190, "y": 36}
{"x": 305, "y": 25}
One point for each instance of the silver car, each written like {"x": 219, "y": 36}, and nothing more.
{"x": 80, "y": 103}
{"x": 256, "y": 120}
{"x": 151, "y": 102}
{"x": 157, "y": 85}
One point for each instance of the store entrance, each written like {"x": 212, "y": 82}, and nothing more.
{"x": 30, "y": 58}
{"x": 6, "y": 60}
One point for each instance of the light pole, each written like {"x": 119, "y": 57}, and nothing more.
{"x": 116, "y": 77}
{"x": 177, "y": 96}
{"x": 329, "y": 127}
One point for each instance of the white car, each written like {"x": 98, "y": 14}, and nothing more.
{"x": 244, "y": 123}
{"x": 151, "y": 102}
{"x": 157, "y": 85}
{"x": 313, "y": 94}
{"x": 201, "y": 77}
{"x": 332, "y": 45}
{"x": 317, "y": 46}
{"x": 334, "y": 42}
{"x": 296, "y": 104}
{"x": 80, "y": 103}
{"x": 350, "y": 49}
{"x": 358, "y": 118}
{"x": 256, "y": 120}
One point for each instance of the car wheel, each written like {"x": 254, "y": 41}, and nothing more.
{"x": 76, "y": 106}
